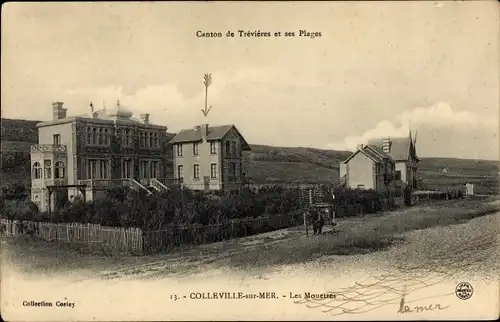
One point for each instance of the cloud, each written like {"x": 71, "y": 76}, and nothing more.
{"x": 435, "y": 116}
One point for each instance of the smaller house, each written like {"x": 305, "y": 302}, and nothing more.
{"x": 368, "y": 168}
{"x": 210, "y": 157}
{"x": 404, "y": 154}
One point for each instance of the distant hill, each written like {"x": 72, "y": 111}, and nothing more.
{"x": 269, "y": 164}
{"x": 19, "y": 130}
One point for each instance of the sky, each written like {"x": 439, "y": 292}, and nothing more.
{"x": 377, "y": 70}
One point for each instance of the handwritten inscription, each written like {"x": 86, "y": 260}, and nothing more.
{"x": 419, "y": 308}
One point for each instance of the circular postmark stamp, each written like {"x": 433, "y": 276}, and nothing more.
{"x": 464, "y": 290}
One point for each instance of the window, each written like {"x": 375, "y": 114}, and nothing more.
{"x": 96, "y": 136}
{"x": 398, "y": 175}
{"x": 361, "y": 186}
{"x": 143, "y": 169}
{"x": 154, "y": 169}
{"x": 212, "y": 148}
{"x": 180, "y": 172}
{"x": 179, "y": 150}
{"x": 59, "y": 170}
{"x": 37, "y": 170}
{"x": 103, "y": 169}
{"x": 92, "y": 169}
{"x": 228, "y": 147}
{"x": 57, "y": 139}
{"x": 127, "y": 137}
{"x": 142, "y": 139}
{"x": 101, "y": 137}
{"x": 151, "y": 140}
{"x": 233, "y": 147}
{"x": 196, "y": 171}
{"x": 232, "y": 171}
{"x": 195, "y": 148}
{"x": 127, "y": 168}
{"x": 48, "y": 169}
{"x": 213, "y": 171}
{"x": 97, "y": 169}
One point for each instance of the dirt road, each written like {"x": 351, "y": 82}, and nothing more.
{"x": 443, "y": 236}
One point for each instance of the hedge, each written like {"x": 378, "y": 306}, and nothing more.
{"x": 122, "y": 207}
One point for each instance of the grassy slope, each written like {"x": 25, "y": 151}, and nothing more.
{"x": 280, "y": 164}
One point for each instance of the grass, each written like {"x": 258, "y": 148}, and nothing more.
{"x": 364, "y": 234}
{"x": 368, "y": 234}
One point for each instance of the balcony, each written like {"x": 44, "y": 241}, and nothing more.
{"x": 48, "y": 148}
{"x": 142, "y": 184}
{"x": 56, "y": 182}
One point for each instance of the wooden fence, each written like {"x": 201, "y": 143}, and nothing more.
{"x": 115, "y": 239}
{"x": 161, "y": 240}
{"x": 136, "y": 241}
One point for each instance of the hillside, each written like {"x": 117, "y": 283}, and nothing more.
{"x": 268, "y": 164}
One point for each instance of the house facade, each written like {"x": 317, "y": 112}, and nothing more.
{"x": 403, "y": 152}
{"x": 210, "y": 157}
{"x": 368, "y": 168}
{"x": 88, "y": 153}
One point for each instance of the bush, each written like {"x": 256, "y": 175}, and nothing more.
{"x": 123, "y": 207}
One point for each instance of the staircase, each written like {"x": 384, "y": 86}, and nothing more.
{"x": 134, "y": 184}
{"x": 343, "y": 181}
{"x": 157, "y": 185}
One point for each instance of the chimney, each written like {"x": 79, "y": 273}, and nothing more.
{"x": 386, "y": 145}
{"x": 204, "y": 131}
{"x": 359, "y": 147}
{"x": 58, "y": 112}
{"x": 145, "y": 118}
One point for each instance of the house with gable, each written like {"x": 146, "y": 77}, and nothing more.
{"x": 210, "y": 157}
{"x": 404, "y": 153}
{"x": 369, "y": 167}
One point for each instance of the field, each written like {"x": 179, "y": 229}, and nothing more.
{"x": 267, "y": 164}
{"x": 443, "y": 233}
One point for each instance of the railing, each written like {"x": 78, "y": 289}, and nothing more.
{"x": 158, "y": 185}
{"x": 343, "y": 181}
{"x": 134, "y": 184}
{"x": 55, "y": 182}
{"x": 108, "y": 183}
{"x": 171, "y": 181}
{"x": 48, "y": 148}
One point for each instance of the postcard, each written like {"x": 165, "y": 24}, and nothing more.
{"x": 167, "y": 161}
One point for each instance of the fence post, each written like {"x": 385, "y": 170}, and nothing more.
{"x": 305, "y": 223}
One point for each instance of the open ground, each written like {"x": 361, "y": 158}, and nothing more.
{"x": 442, "y": 234}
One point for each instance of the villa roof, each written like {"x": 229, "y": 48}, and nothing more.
{"x": 373, "y": 152}
{"x": 400, "y": 147}
{"x": 214, "y": 133}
